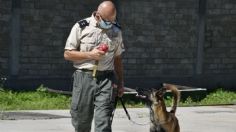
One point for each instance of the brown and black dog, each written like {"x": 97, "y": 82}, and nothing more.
{"x": 161, "y": 119}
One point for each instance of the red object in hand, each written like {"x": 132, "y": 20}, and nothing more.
{"x": 103, "y": 47}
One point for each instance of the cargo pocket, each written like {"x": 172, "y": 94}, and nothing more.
{"x": 103, "y": 95}
{"x": 76, "y": 90}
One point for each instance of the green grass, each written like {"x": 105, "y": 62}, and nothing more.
{"x": 41, "y": 99}
{"x": 32, "y": 100}
{"x": 217, "y": 97}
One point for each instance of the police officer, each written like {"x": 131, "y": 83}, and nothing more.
{"x": 95, "y": 97}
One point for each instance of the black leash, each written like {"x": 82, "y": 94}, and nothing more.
{"x": 123, "y": 105}
{"x": 113, "y": 112}
{"x": 126, "y": 112}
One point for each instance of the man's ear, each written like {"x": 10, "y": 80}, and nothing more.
{"x": 97, "y": 17}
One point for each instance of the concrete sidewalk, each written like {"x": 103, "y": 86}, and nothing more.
{"x": 192, "y": 119}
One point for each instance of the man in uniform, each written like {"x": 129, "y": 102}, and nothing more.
{"x": 93, "y": 96}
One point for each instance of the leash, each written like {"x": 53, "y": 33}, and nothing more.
{"x": 113, "y": 112}
{"x": 126, "y": 112}
{"x": 123, "y": 105}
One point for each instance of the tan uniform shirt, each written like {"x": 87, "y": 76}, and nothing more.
{"x": 86, "y": 38}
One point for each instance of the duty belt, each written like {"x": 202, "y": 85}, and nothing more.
{"x": 99, "y": 73}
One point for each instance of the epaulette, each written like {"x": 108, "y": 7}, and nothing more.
{"x": 83, "y": 23}
{"x": 117, "y": 25}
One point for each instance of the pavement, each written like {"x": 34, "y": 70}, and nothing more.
{"x": 191, "y": 119}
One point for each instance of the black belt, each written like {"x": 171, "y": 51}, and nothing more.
{"x": 98, "y": 73}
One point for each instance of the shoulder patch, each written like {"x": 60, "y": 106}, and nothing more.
{"x": 83, "y": 23}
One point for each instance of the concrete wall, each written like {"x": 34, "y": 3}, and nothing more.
{"x": 220, "y": 47}
{"x": 187, "y": 42}
{"x": 5, "y": 15}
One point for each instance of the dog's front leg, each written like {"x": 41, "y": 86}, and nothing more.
{"x": 156, "y": 128}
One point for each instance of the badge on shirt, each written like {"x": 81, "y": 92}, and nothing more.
{"x": 83, "y": 23}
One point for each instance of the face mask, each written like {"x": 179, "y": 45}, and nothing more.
{"x": 105, "y": 25}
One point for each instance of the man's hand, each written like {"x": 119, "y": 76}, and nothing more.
{"x": 96, "y": 54}
{"x": 120, "y": 90}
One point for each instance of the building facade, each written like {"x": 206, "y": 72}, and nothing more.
{"x": 186, "y": 42}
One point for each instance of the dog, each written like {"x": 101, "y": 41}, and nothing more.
{"x": 161, "y": 119}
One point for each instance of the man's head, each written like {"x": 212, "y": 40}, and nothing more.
{"x": 106, "y": 14}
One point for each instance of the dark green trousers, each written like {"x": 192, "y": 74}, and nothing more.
{"x": 92, "y": 98}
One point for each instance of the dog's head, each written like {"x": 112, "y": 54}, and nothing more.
{"x": 157, "y": 95}
{"x": 151, "y": 95}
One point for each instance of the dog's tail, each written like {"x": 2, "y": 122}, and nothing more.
{"x": 176, "y": 96}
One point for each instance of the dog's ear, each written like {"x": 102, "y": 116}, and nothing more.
{"x": 164, "y": 84}
{"x": 153, "y": 90}
{"x": 158, "y": 96}
{"x": 163, "y": 90}
{"x": 160, "y": 93}
{"x": 167, "y": 86}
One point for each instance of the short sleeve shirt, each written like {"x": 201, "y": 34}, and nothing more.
{"x": 88, "y": 37}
